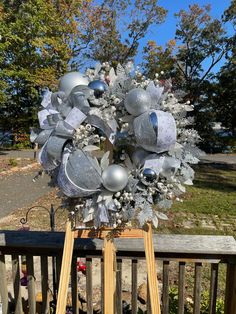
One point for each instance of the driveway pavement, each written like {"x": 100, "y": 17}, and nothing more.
{"x": 19, "y": 190}
{"x": 24, "y": 153}
{"x": 220, "y": 158}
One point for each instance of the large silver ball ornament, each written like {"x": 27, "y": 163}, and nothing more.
{"x": 70, "y": 80}
{"x": 115, "y": 178}
{"x": 137, "y": 101}
{"x": 149, "y": 174}
{"x": 98, "y": 86}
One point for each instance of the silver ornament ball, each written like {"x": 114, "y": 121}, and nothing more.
{"x": 115, "y": 178}
{"x": 149, "y": 174}
{"x": 98, "y": 86}
{"x": 137, "y": 101}
{"x": 70, "y": 80}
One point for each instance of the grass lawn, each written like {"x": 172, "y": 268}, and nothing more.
{"x": 208, "y": 207}
{"x": 213, "y": 192}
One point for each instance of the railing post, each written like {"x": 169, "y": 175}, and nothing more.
{"x": 230, "y": 291}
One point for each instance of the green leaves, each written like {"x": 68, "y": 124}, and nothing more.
{"x": 34, "y": 52}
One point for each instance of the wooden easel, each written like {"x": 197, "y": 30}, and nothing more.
{"x": 109, "y": 256}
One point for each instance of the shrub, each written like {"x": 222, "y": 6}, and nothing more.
{"x": 173, "y": 303}
{"x": 12, "y": 162}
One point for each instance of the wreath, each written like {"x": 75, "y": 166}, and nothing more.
{"x": 119, "y": 143}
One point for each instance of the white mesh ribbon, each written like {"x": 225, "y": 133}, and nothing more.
{"x": 155, "y": 137}
{"x": 75, "y": 118}
{"x": 154, "y": 163}
{"x": 42, "y": 116}
{"x": 46, "y": 102}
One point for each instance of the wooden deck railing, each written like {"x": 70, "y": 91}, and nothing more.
{"x": 181, "y": 249}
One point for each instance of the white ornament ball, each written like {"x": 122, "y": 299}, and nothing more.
{"x": 115, "y": 178}
{"x": 70, "y": 80}
{"x": 137, "y": 101}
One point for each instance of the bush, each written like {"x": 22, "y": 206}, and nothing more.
{"x": 173, "y": 305}
{"x": 12, "y": 162}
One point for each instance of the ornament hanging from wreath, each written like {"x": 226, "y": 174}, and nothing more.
{"x": 119, "y": 143}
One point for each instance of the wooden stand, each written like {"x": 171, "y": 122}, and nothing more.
{"x": 109, "y": 256}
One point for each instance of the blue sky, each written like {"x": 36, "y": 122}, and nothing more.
{"x": 166, "y": 31}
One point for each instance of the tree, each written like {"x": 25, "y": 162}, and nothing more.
{"x": 125, "y": 24}
{"x": 225, "y": 105}
{"x": 199, "y": 38}
{"x": 159, "y": 59}
{"x": 200, "y": 45}
{"x": 202, "y": 39}
{"x": 37, "y": 41}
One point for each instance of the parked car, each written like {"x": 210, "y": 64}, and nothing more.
{"x": 6, "y": 138}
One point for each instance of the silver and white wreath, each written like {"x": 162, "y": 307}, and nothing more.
{"x": 119, "y": 143}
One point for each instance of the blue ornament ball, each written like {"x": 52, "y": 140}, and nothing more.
{"x": 149, "y": 174}
{"x": 98, "y": 86}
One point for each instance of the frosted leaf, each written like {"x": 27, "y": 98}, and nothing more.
{"x": 103, "y": 213}
{"x": 181, "y": 188}
{"x": 98, "y": 67}
{"x": 188, "y": 108}
{"x": 99, "y": 199}
{"x": 188, "y": 182}
{"x": 165, "y": 204}
{"x": 105, "y": 196}
{"x": 112, "y": 76}
{"x": 96, "y": 165}
{"x": 105, "y": 161}
{"x": 128, "y": 163}
{"x": 194, "y": 150}
{"x": 176, "y": 151}
{"x": 161, "y": 216}
{"x": 88, "y": 214}
{"x": 129, "y": 66}
{"x": 129, "y": 213}
{"x": 139, "y": 201}
{"x": 120, "y": 71}
{"x": 187, "y": 173}
{"x": 150, "y": 199}
{"x": 111, "y": 205}
{"x": 128, "y": 85}
{"x": 46, "y": 99}
{"x": 146, "y": 214}
{"x": 155, "y": 221}
{"x": 141, "y": 188}
{"x": 191, "y": 159}
{"x": 132, "y": 185}
{"x": 179, "y": 94}
{"x": 90, "y": 148}
{"x": 128, "y": 119}
{"x": 156, "y": 93}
